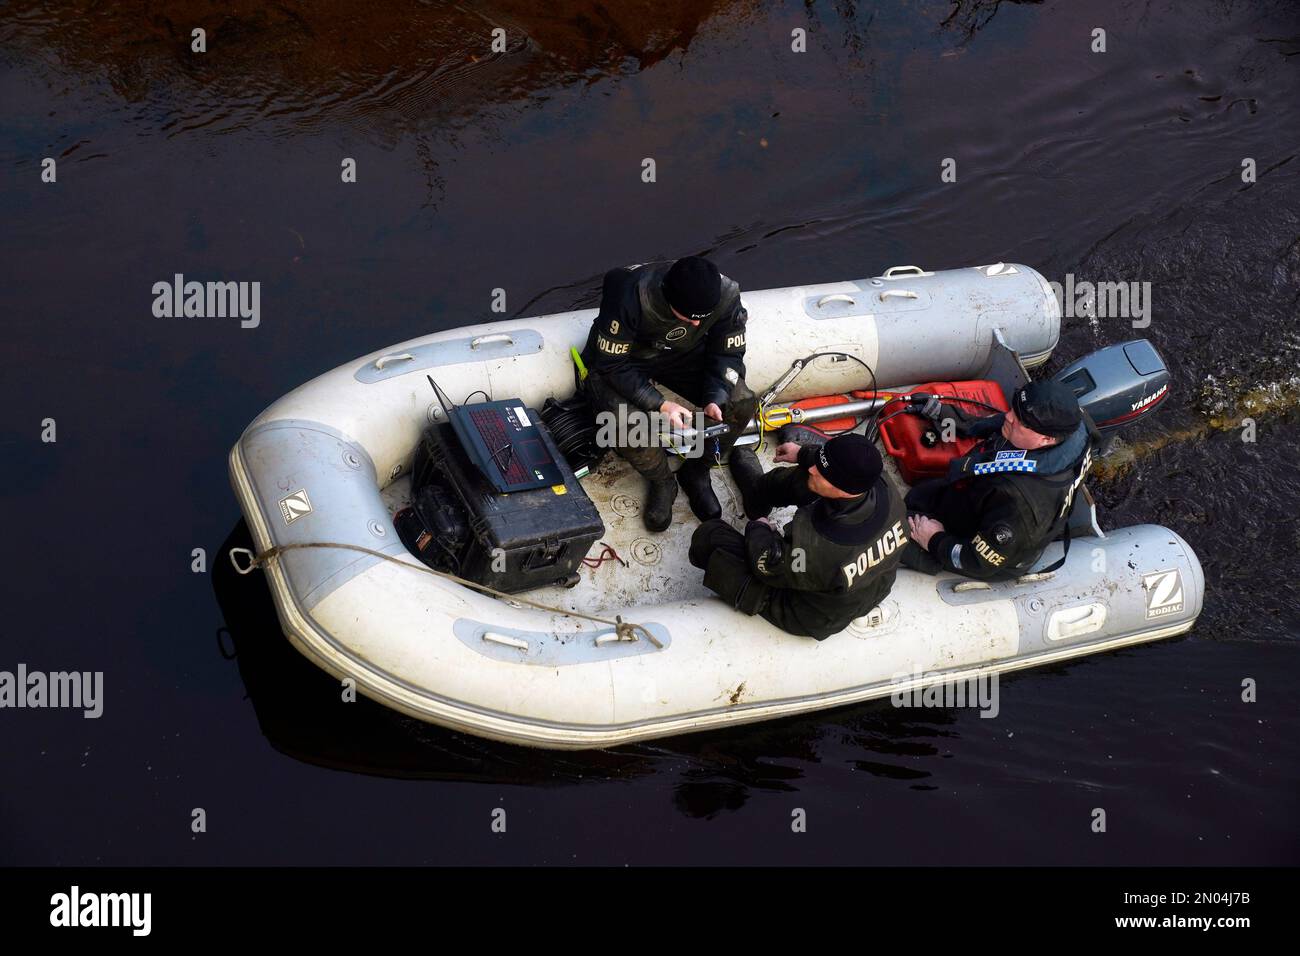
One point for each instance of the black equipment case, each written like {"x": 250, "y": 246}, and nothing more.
{"x": 458, "y": 520}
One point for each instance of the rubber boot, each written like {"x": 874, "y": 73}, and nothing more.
{"x": 696, "y": 482}
{"x": 659, "y": 498}
{"x": 748, "y": 472}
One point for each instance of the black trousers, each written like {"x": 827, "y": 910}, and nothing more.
{"x": 730, "y": 577}
{"x": 719, "y": 550}
{"x": 933, "y": 498}
{"x": 685, "y": 377}
{"x": 940, "y": 499}
{"x": 715, "y": 535}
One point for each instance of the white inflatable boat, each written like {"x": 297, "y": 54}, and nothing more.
{"x": 330, "y": 463}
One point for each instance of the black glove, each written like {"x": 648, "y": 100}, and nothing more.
{"x": 931, "y": 408}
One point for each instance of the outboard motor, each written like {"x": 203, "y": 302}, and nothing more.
{"x": 1119, "y": 384}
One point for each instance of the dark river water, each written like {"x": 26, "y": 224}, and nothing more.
{"x": 521, "y": 170}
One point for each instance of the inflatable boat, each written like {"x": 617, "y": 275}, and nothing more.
{"x": 634, "y": 647}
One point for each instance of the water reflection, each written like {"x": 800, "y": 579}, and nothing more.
{"x": 392, "y": 66}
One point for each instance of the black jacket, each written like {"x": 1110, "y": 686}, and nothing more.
{"x": 635, "y": 334}
{"x": 837, "y": 559}
{"x": 997, "y": 525}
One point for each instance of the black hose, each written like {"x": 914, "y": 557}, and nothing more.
{"x": 573, "y": 428}
{"x": 951, "y": 399}
{"x": 870, "y": 371}
{"x": 906, "y": 409}
{"x": 874, "y": 431}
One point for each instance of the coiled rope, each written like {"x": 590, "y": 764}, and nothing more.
{"x": 626, "y": 630}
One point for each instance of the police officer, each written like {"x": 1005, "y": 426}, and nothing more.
{"x": 680, "y": 324}
{"x": 837, "y": 558}
{"x": 999, "y": 507}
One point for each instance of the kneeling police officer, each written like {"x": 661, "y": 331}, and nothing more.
{"x": 680, "y": 324}
{"x": 1000, "y": 506}
{"x": 838, "y": 556}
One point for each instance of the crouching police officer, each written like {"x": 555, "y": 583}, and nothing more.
{"x": 680, "y": 324}
{"x": 1000, "y": 506}
{"x": 839, "y": 553}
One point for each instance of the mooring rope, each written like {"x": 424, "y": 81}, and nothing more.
{"x": 626, "y": 630}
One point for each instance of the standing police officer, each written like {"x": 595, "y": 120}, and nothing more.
{"x": 999, "y": 507}
{"x": 682, "y": 325}
{"x": 837, "y": 558}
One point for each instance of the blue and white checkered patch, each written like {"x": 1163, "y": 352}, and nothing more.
{"x": 1012, "y": 464}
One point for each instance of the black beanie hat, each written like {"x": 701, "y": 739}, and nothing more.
{"x": 1048, "y": 407}
{"x": 850, "y": 463}
{"x": 693, "y": 287}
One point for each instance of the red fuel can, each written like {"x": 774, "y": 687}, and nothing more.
{"x": 905, "y": 436}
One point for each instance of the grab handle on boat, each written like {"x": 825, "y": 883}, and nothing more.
{"x": 502, "y": 337}
{"x": 894, "y": 272}
{"x": 504, "y": 640}
{"x": 897, "y": 294}
{"x": 971, "y": 586}
{"x": 835, "y": 297}
{"x": 1036, "y": 576}
{"x": 385, "y": 359}
{"x": 1076, "y": 621}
